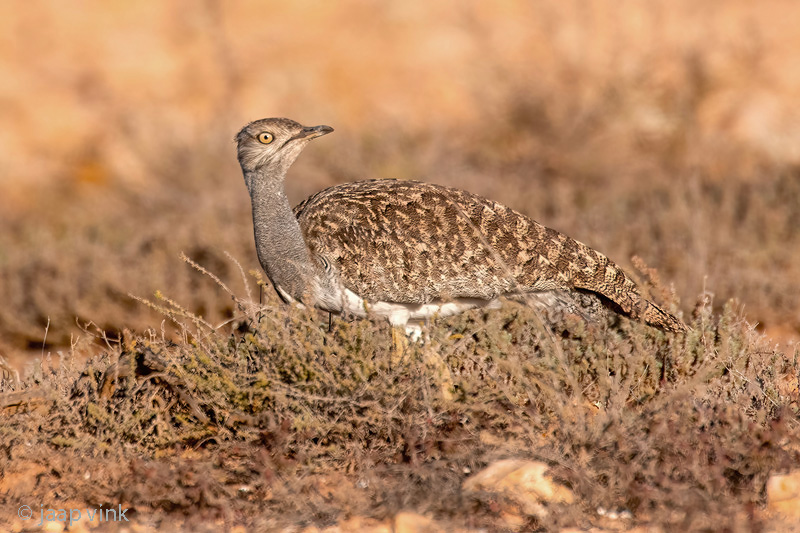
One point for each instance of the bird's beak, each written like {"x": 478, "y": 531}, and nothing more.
{"x": 310, "y": 133}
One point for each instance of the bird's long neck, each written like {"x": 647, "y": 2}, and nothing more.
{"x": 280, "y": 245}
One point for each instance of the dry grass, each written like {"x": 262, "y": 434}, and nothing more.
{"x": 665, "y": 130}
{"x": 275, "y": 420}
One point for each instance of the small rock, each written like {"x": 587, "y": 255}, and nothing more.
{"x": 524, "y": 482}
{"x": 646, "y": 528}
{"x": 783, "y": 494}
{"x": 512, "y": 520}
{"x": 21, "y": 480}
{"x": 80, "y": 526}
{"x": 359, "y": 524}
{"x": 638, "y": 529}
{"x": 53, "y": 526}
{"x": 407, "y": 522}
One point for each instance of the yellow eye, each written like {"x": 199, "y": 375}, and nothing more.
{"x": 265, "y": 138}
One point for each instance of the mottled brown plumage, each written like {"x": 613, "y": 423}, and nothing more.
{"x": 413, "y": 243}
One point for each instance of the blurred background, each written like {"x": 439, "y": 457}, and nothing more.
{"x": 666, "y": 129}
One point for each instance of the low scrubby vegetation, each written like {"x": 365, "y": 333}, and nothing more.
{"x": 279, "y": 418}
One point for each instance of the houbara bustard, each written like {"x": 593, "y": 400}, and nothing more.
{"x": 408, "y": 250}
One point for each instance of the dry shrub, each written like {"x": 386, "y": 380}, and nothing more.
{"x": 276, "y": 419}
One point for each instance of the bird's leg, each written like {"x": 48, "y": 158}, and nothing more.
{"x": 402, "y": 338}
{"x": 430, "y": 356}
{"x": 399, "y": 345}
{"x": 441, "y": 372}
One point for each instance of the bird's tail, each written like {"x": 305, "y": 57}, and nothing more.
{"x": 655, "y": 316}
{"x": 596, "y": 273}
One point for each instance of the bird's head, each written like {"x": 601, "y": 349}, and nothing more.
{"x": 274, "y": 143}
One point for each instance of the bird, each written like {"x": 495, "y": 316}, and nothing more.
{"x": 410, "y": 250}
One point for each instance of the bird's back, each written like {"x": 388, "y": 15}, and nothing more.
{"x": 413, "y": 242}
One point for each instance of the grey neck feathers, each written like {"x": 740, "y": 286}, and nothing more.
{"x": 279, "y": 241}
